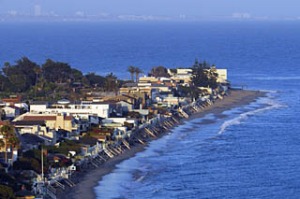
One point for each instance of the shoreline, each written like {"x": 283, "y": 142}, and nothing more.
{"x": 90, "y": 179}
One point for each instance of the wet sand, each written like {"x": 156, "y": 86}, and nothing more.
{"x": 90, "y": 179}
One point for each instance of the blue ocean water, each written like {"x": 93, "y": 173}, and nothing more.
{"x": 253, "y": 152}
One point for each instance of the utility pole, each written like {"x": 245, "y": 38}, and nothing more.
{"x": 42, "y": 162}
{"x": 5, "y": 141}
{"x": 43, "y": 180}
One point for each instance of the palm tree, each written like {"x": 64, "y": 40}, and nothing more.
{"x": 111, "y": 82}
{"x": 9, "y": 137}
{"x": 212, "y": 76}
{"x": 14, "y": 143}
{"x": 37, "y": 71}
{"x": 131, "y": 70}
{"x": 137, "y": 71}
{"x": 2, "y": 143}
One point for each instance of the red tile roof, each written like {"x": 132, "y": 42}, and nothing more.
{"x": 3, "y": 123}
{"x": 43, "y": 117}
{"x": 16, "y": 99}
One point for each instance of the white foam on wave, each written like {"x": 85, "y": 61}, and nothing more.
{"x": 125, "y": 177}
{"x": 131, "y": 172}
{"x": 231, "y": 112}
{"x": 113, "y": 185}
{"x": 268, "y": 104}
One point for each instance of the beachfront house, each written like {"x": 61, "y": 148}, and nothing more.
{"x": 32, "y": 127}
{"x": 146, "y": 79}
{"x": 12, "y": 100}
{"x": 81, "y": 108}
{"x": 222, "y": 75}
{"x": 11, "y": 112}
{"x": 46, "y": 125}
{"x": 120, "y": 133}
{"x": 120, "y": 126}
{"x": 141, "y": 95}
{"x": 181, "y": 75}
{"x": 12, "y": 107}
{"x": 126, "y": 106}
{"x": 85, "y": 113}
{"x": 128, "y": 89}
{"x": 120, "y": 120}
{"x": 90, "y": 146}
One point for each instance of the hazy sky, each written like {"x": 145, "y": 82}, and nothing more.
{"x": 206, "y": 8}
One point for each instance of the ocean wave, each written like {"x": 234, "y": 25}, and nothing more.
{"x": 268, "y": 104}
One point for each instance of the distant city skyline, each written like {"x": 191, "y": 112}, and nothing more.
{"x": 154, "y": 9}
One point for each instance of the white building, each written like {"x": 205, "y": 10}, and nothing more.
{"x": 11, "y": 112}
{"x": 45, "y": 124}
{"x": 181, "y": 75}
{"x": 222, "y": 75}
{"x": 82, "y": 109}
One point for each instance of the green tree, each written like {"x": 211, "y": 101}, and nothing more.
{"x": 26, "y": 163}
{"x": 159, "y": 71}
{"x": 21, "y": 75}
{"x": 212, "y": 77}
{"x": 6, "y": 192}
{"x": 58, "y": 72}
{"x": 204, "y": 75}
{"x": 76, "y": 75}
{"x": 191, "y": 91}
{"x": 111, "y": 82}
{"x": 131, "y": 70}
{"x": 37, "y": 72}
{"x": 4, "y": 83}
{"x": 10, "y": 138}
{"x": 137, "y": 71}
{"x": 95, "y": 80}
{"x": 7, "y": 179}
{"x": 2, "y": 143}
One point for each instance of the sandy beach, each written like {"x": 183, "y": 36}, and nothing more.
{"x": 90, "y": 179}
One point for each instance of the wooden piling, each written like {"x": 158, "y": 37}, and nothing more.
{"x": 149, "y": 132}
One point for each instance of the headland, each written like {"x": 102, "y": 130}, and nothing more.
{"x": 82, "y": 129}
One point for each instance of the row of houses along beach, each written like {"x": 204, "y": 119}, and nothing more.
{"x": 75, "y": 143}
